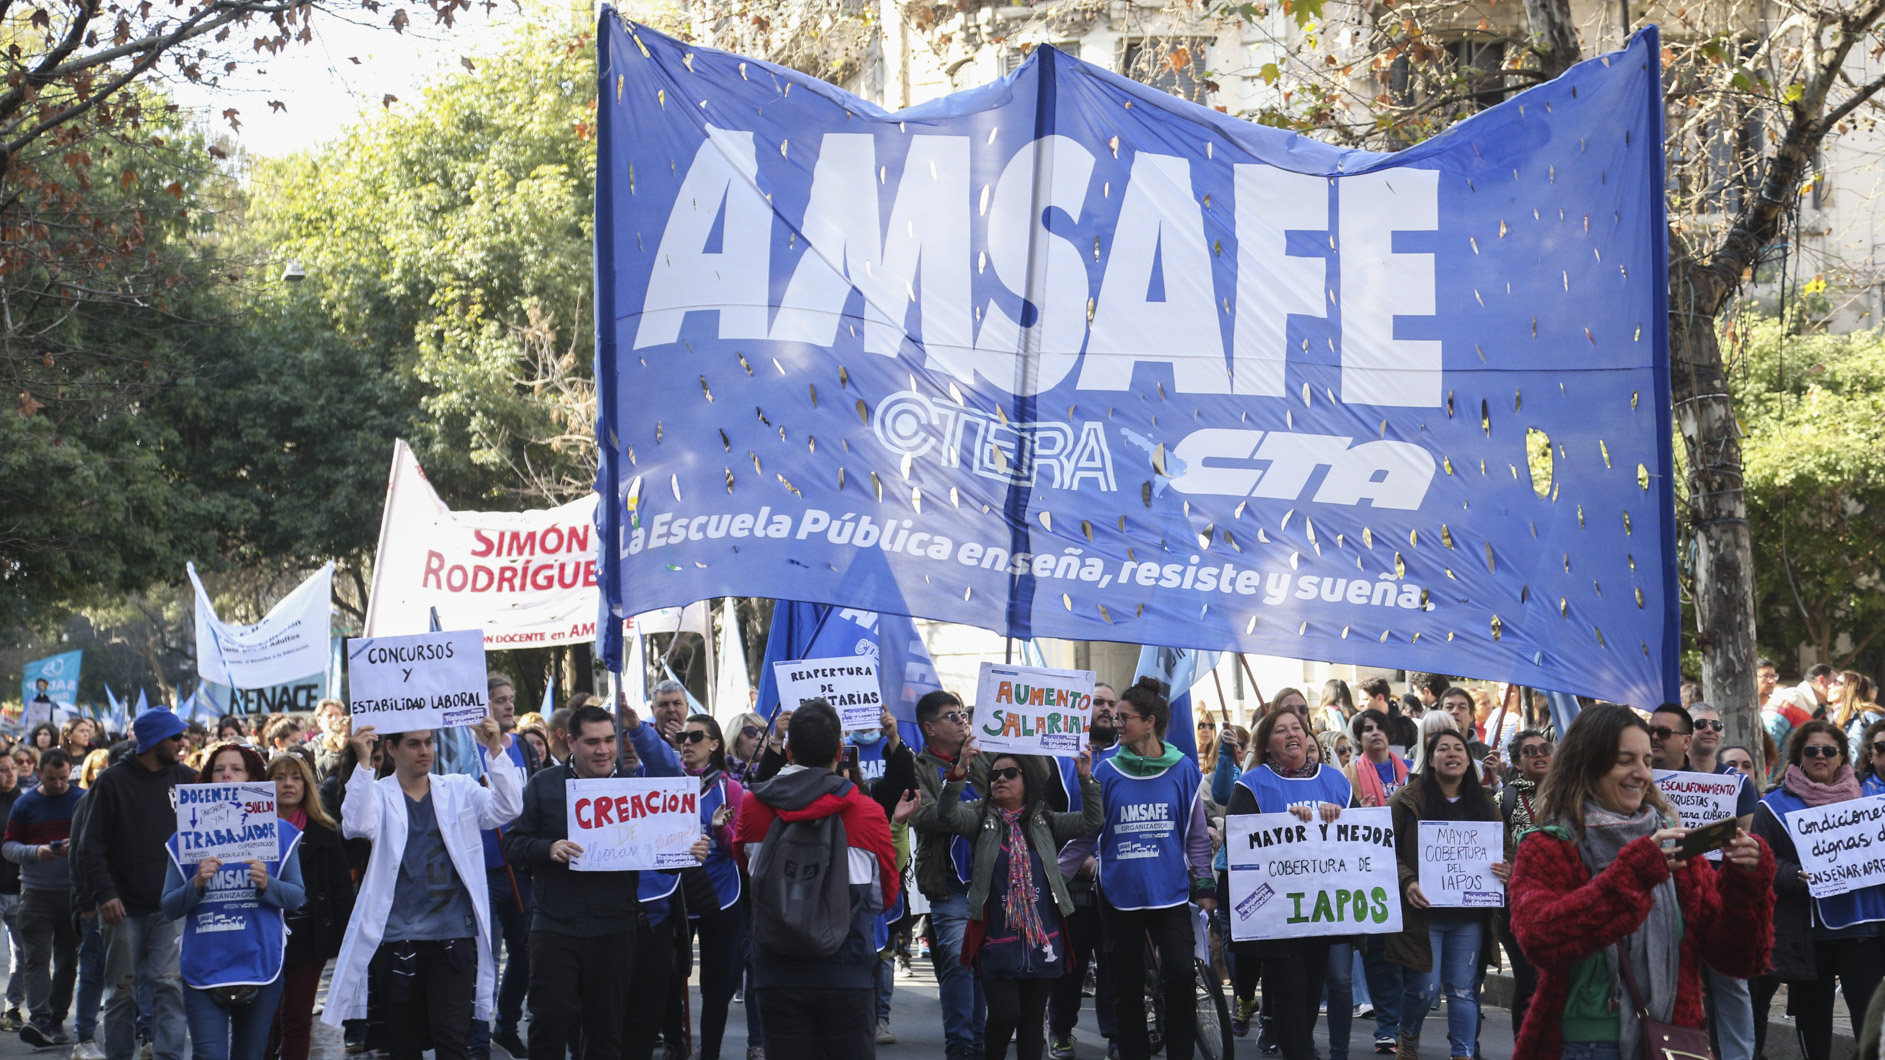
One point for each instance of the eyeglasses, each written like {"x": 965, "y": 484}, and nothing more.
{"x": 954, "y": 715}
{"x": 1663, "y": 732}
{"x": 1536, "y": 750}
{"x": 1005, "y": 773}
{"x": 1125, "y": 716}
{"x": 749, "y": 730}
{"x": 694, "y": 735}
{"x": 1819, "y": 751}
{"x": 1207, "y": 725}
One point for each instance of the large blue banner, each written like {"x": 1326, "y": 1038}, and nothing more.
{"x": 1066, "y": 356}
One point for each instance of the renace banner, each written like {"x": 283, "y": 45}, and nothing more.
{"x": 1066, "y": 356}
{"x": 528, "y": 579}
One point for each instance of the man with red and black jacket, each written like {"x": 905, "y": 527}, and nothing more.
{"x": 808, "y": 1007}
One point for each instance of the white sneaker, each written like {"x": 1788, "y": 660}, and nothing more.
{"x": 884, "y": 1037}
{"x": 87, "y": 1050}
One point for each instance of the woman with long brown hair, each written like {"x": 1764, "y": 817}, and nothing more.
{"x": 315, "y": 929}
{"x": 1600, "y": 886}
{"x": 1858, "y": 709}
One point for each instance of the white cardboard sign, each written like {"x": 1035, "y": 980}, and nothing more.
{"x": 229, "y": 822}
{"x": 625, "y": 823}
{"x": 1033, "y": 710}
{"x": 422, "y": 681}
{"x": 1456, "y": 860}
{"x": 1841, "y": 845}
{"x": 848, "y": 683}
{"x": 1701, "y": 798}
{"x": 1291, "y": 878}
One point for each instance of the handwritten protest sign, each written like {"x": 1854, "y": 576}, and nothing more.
{"x": 1291, "y": 878}
{"x": 1701, "y": 798}
{"x": 849, "y": 684}
{"x": 1456, "y": 863}
{"x": 1033, "y": 710}
{"x": 422, "y": 681}
{"x": 627, "y": 823}
{"x": 228, "y": 822}
{"x": 1841, "y": 845}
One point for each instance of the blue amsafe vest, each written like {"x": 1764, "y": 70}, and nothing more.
{"x": 1863, "y": 906}
{"x": 231, "y": 938}
{"x": 961, "y": 854}
{"x": 870, "y": 758}
{"x": 1276, "y": 793}
{"x": 1141, "y": 849}
{"x": 654, "y": 889}
{"x": 720, "y": 866}
{"x": 1070, "y": 777}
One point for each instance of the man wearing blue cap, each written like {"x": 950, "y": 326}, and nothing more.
{"x": 120, "y": 859}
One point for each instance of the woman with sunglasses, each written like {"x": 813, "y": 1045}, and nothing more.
{"x": 1816, "y": 939}
{"x": 1015, "y": 940}
{"x": 1872, "y": 746}
{"x": 749, "y": 742}
{"x": 1153, "y": 800}
{"x": 1287, "y": 779}
{"x": 715, "y": 914}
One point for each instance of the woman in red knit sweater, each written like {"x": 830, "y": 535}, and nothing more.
{"x": 1598, "y": 882}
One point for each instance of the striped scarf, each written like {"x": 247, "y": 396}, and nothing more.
{"x": 1021, "y": 903}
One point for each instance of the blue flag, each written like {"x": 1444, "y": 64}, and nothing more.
{"x": 143, "y": 704}
{"x": 1067, "y": 356}
{"x": 60, "y": 675}
{"x": 1178, "y": 669}
{"x": 818, "y": 631}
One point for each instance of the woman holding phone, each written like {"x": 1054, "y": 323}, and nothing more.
{"x": 1600, "y": 886}
{"x": 1817, "y": 939}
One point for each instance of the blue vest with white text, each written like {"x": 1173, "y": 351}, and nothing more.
{"x": 1276, "y": 793}
{"x": 720, "y": 866}
{"x": 1863, "y": 906}
{"x": 870, "y": 758}
{"x": 1070, "y": 777}
{"x": 1141, "y": 849}
{"x": 231, "y": 938}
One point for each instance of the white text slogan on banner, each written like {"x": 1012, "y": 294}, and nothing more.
{"x": 1456, "y": 860}
{"x": 627, "y": 823}
{"x": 1841, "y": 845}
{"x": 1701, "y": 798}
{"x": 1291, "y": 878}
{"x": 848, "y": 683}
{"x": 424, "y": 681}
{"x": 1032, "y": 709}
{"x": 228, "y": 822}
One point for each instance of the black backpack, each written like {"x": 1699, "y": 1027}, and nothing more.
{"x": 801, "y": 882}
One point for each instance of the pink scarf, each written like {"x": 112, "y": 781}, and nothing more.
{"x": 1022, "y": 893}
{"x": 1845, "y": 786}
{"x": 1369, "y": 779}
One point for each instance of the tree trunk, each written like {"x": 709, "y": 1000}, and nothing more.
{"x": 1718, "y": 508}
{"x": 1554, "y": 37}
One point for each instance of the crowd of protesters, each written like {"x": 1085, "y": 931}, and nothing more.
{"x": 433, "y": 870}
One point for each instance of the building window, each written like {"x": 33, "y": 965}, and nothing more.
{"x": 1169, "y": 64}
{"x": 1014, "y": 57}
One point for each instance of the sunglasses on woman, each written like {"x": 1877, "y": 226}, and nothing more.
{"x": 695, "y": 735}
{"x": 1818, "y": 751}
{"x": 1005, "y": 773}
{"x": 750, "y": 730}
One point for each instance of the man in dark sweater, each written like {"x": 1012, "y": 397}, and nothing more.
{"x": 120, "y": 860}
{"x": 39, "y": 827}
{"x": 582, "y": 934}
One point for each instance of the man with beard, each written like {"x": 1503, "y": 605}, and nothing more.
{"x": 1083, "y": 926}
{"x": 120, "y": 858}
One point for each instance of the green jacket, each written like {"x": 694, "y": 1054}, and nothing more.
{"x": 1047, "y": 832}
{"x": 934, "y": 874}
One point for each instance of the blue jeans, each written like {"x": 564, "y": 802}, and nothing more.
{"x": 91, "y": 979}
{"x": 510, "y": 926}
{"x": 1456, "y": 971}
{"x": 1588, "y": 1051}
{"x": 141, "y": 950}
{"x": 219, "y": 1032}
{"x": 1733, "y": 1009}
{"x": 1386, "y": 981}
{"x": 1358, "y": 976}
{"x": 963, "y": 1009}
{"x": 887, "y": 985}
{"x": 1341, "y": 995}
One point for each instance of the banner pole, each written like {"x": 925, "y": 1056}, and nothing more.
{"x": 1223, "y": 709}
{"x": 1252, "y": 674}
